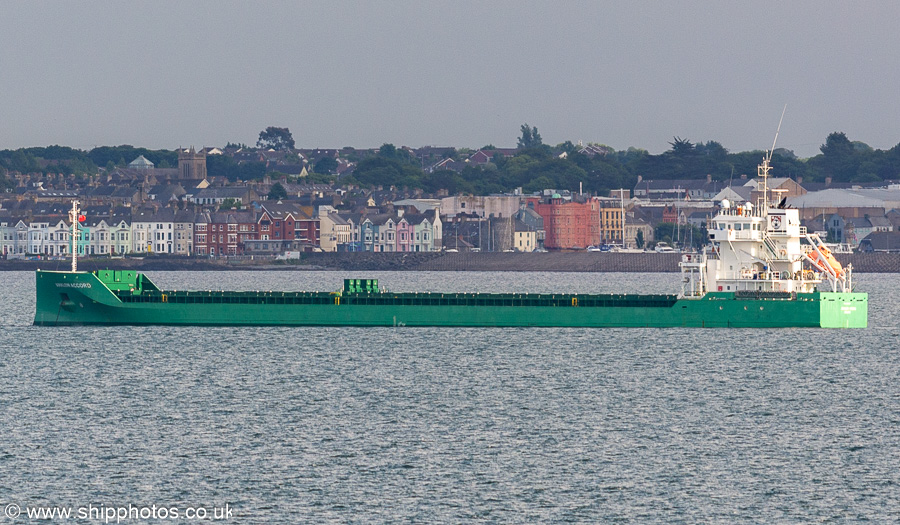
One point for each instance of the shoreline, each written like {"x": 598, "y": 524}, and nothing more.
{"x": 484, "y": 262}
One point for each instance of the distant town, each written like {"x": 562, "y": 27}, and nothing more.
{"x": 276, "y": 201}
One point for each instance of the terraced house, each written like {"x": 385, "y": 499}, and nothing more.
{"x": 335, "y": 231}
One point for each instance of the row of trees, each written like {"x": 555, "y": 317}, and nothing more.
{"x": 538, "y": 166}
{"x": 532, "y": 169}
{"x": 535, "y": 165}
{"x": 841, "y": 160}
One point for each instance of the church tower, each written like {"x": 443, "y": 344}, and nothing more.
{"x": 191, "y": 164}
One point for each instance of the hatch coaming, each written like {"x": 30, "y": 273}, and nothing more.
{"x": 399, "y": 299}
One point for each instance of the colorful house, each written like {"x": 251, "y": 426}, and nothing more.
{"x": 405, "y": 232}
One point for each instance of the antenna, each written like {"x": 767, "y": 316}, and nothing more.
{"x": 776, "y": 132}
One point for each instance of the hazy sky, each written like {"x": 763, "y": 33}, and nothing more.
{"x": 456, "y": 73}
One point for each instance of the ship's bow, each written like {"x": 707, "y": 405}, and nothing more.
{"x": 66, "y": 298}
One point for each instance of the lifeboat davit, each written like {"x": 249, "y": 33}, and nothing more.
{"x": 824, "y": 260}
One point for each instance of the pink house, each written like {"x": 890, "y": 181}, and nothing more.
{"x": 405, "y": 235}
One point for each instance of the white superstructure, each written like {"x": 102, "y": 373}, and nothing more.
{"x": 762, "y": 248}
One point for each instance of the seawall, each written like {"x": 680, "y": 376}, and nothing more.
{"x": 512, "y": 262}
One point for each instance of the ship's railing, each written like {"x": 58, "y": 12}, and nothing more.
{"x": 765, "y": 295}
{"x": 739, "y": 211}
{"x": 746, "y": 275}
{"x": 743, "y": 235}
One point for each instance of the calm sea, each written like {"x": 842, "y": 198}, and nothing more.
{"x": 291, "y": 425}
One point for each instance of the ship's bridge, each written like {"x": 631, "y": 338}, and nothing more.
{"x": 744, "y": 223}
{"x": 737, "y": 223}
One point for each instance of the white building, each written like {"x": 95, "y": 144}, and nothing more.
{"x": 333, "y": 230}
{"x": 184, "y": 233}
{"x": 153, "y": 232}
{"x": 119, "y": 236}
{"x": 499, "y": 206}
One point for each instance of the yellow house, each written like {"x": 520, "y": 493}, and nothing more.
{"x": 524, "y": 240}
{"x": 611, "y": 226}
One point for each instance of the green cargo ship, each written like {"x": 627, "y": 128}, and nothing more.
{"x": 763, "y": 270}
{"x": 110, "y": 297}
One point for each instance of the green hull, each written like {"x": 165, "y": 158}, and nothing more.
{"x": 127, "y": 298}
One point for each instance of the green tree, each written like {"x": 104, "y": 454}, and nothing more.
{"x": 530, "y": 137}
{"x": 388, "y": 151}
{"x": 639, "y": 239}
{"x": 19, "y": 160}
{"x": 326, "y": 165}
{"x": 682, "y": 147}
{"x": 277, "y": 192}
{"x": 448, "y": 180}
{"x": 710, "y": 149}
{"x": 251, "y": 170}
{"x": 384, "y": 171}
{"x": 275, "y": 138}
{"x": 122, "y": 155}
{"x": 567, "y": 147}
{"x": 6, "y": 184}
{"x": 839, "y": 159}
{"x": 229, "y": 203}
{"x": 837, "y": 146}
{"x": 321, "y": 178}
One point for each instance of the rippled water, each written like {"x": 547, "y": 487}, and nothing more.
{"x": 289, "y": 425}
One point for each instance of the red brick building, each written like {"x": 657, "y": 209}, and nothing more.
{"x": 670, "y": 213}
{"x": 222, "y": 233}
{"x": 306, "y": 230}
{"x": 288, "y": 222}
{"x": 201, "y": 233}
{"x": 569, "y": 224}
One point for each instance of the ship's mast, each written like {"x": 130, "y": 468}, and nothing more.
{"x": 763, "y": 169}
{"x": 73, "y": 216}
{"x": 622, "y": 203}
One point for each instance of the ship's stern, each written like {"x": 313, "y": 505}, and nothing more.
{"x": 843, "y": 310}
